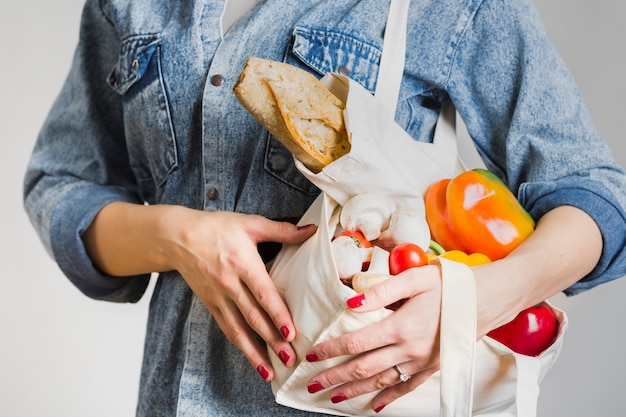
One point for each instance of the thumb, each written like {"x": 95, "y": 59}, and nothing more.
{"x": 283, "y": 232}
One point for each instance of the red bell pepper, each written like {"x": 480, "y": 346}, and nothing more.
{"x": 476, "y": 212}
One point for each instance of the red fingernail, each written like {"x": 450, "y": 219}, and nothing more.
{"x": 263, "y": 372}
{"x": 285, "y": 331}
{"x": 306, "y": 226}
{"x": 312, "y": 357}
{"x": 379, "y": 408}
{"x": 356, "y": 301}
{"x": 284, "y": 356}
{"x": 338, "y": 398}
{"x": 314, "y": 387}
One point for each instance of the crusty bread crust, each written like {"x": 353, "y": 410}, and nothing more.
{"x": 296, "y": 108}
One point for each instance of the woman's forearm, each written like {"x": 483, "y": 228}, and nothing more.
{"x": 128, "y": 239}
{"x": 565, "y": 247}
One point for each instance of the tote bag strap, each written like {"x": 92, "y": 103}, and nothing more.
{"x": 392, "y": 67}
{"x": 392, "y": 59}
{"x": 458, "y": 339}
{"x": 390, "y": 78}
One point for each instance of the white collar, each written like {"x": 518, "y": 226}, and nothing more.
{"x": 233, "y": 10}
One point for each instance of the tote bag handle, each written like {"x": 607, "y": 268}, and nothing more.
{"x": 392, "y": 59}
{"x": 389, "y": 81}
{"x": 390, "y": 72}
{"x": 458, "y": 321}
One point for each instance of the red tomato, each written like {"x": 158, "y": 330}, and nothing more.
{"x": 358, "y": 238}
{"x": 530, "y": 333}
{"x": 405, "y": 256}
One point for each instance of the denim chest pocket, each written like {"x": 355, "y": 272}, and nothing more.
{"x": 150, "y": 138}
{"x": 321, "y": 52}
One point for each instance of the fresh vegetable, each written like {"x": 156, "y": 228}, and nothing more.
{"x": 357, "y": 236}
{"x": 436, "y": 248}
{"x": 531, "y": 332}
{"x": 437, "y": 216}
{"x": 349, "y": 257}
{"x": 405, "y": 256}
{"x": 378, "y": 271}
{"x": 407, "y": 225}
{"x": 369, "y": 213}
{"x": 472, "y": 259}
{"x": 388, "y": 219}
{"x": 476, "y": 212}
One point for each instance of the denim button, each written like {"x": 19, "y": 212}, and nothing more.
{"x": 213, "y": 194}
{"x": 343, "y": 70}
{"x": 217, "y": 80}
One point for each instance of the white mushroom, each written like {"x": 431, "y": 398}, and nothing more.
{"x": 377, "y": 272}
{"x": 348, "y": 256}
{"x": 406, "y": 225}
{"x": 368, "y": 212}
{"x": 361, "y": 281}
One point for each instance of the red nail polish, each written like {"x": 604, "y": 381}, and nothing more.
{"x": 338, "y": 398}
{"x": 379, "y": 408}
{"x": 312, "y": 357}
{"x": 263, "y": 372}
{"x": 283, "y": 356}
{"x": 284, "y": 330}
{"x": 314, "y": 387}
{"x": 356, "y": 301}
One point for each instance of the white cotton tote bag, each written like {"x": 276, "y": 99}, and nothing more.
{"x": 479, "y": 378}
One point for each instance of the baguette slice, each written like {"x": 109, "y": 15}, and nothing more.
{"x": 296, "y": 108}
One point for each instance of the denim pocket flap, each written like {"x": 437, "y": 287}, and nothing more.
{"x": 135, "y": 55}
{"x": 327, "y": 51}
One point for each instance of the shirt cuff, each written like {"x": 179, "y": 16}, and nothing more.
{"x": 610, "y": 220}
{"x": 69, "y": 221}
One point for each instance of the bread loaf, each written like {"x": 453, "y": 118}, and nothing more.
{"x": 296, "y": 108}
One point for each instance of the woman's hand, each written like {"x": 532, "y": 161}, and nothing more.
{"x": 218, "y": 257}
{"x": 554, "y": 257}
{"x": 216, "y": 253}
{"x": 399, "y": 339}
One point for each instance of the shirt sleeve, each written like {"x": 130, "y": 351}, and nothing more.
{"x": 601, "y": 205}
{"x": 532, "y": 128}
{"x": 79, "y": 163}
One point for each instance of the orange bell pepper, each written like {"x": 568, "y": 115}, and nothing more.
{"x": 437, "y": 216}
{"x": 476, "y": 212}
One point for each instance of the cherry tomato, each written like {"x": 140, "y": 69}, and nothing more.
{"x": 405, "y": 256}
{"x": 358, "y": 238}
{"x": 530, "y": 333}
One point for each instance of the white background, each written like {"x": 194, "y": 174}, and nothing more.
{"x": 64, "y": 355}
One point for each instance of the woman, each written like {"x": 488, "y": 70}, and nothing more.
{"x": 147, "y": 163}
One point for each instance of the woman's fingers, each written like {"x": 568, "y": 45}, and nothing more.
{"x": 262, "y": 297}
{"x": 408, "y": 284}
{"x": 396, "y": 328}
{"x": 258, "y": 280}
{"x": 243, "y": 321}
{"x": 266, "y": 313}
{"x": 369, "y": 371}
{"x": 397, "y": 390}
{"x": 239, "y": 334}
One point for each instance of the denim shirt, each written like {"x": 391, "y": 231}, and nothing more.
{"x": 147, "y": 115}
